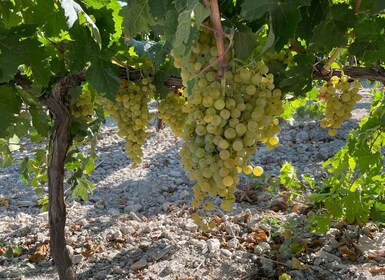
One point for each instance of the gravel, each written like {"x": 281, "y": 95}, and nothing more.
{"x": 137, "y": 223}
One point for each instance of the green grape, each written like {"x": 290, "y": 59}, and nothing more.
{"x": 171, "y": 111}
{"x": 341, "y": 97}
{"x": 226, "y": 119}
{"x": 82, "y": 107}
{"x": 130, "y": 110}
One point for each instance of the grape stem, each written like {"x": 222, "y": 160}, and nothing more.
{"x": 358, "y": 6}
{"x": 326, "y": 69}
{"x": 218, "y": 32}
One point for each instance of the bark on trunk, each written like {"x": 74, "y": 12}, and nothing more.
{"x": 59, "y": 144}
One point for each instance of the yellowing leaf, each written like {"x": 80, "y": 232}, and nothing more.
{"x": 296, "y": 264}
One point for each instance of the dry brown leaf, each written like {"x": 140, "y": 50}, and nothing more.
{"x": 116, "y": 245}
{"x": 99, "y": 249}
{"x": 4, "y": 202}
{"x": 296, "y": 264}
{"x": 74, "y": 227}
{"x": 349, "y": 254}
{"x": 88, "y": 253}
{"x": 377, "y": 269}
{"x": 372, "y": 254}
{"x": 41, "y": 252}
{"x": 2, "y": 250}
{"x": 296, "y": 207}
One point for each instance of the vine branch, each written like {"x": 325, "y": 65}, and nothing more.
{"x": 370, "y": 73}
{"x": 327, "y": 67}
{"x": 216, "y": 20}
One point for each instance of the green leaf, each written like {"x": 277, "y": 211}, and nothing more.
{"x": 40, "y": 120}
{"x": 334, "y": 206}
{"x": 136, "y": 17}
{"x": 96, "y": 4}
{"x": 182, "y": 32}
{"x": 310, "y": 17}
{"x": 357, "y": 210}
{"x": 377, "y": 213}
{"x": 102, "y": 76}
{"x": 155, "y": 51}
{"x": 245, "y": 44}
{"x": 331, "y": 32}
{"x": 201, "y": 12}
{"x": 72, "y": 11}
{"x": 9, "y": 253}
{"x": 51, "y": 19}
{"x": 15, "y": 52}
{"x": 90, "y": 165}
{"x": 368, "y": 45}
{"x": 284, "y": 16}
{"x": 10, "y": 104}
{"x": 170, "y": 24}
{"x": 319, "y": 224}
{"x": 158, "y": 9}
{"x": 298, "y": 78}
{"x": 164, "y": 72}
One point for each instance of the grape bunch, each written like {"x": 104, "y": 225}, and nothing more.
{"x": 227, "y": 119}
{"x": 341, "y": 97}
{"x": 83, "y": 106}
{"x": 171, "y": 111}
{"x": 285, "y": 56}
{"x": 130, "y": 110}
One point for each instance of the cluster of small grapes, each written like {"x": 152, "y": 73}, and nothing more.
{"x": 341, "y": 97}
{"x": 83, "y": 106}
{"x": 171, "y": 111}
{"x": 285, "y": 56}
{"x": 130, "y": 110}
{"x": 226, "y": 120}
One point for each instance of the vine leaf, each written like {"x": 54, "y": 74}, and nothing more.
{"x": 186, "y": 35}
{"x": 284, "y": 16}
{"x": 183, "y": 31}
{"x": 15, "y": 52}
{"x": 40, "y": 120}
{"x": 136, "y": 17}
{"x": 298, "y": 78}
{"x": 50, "y": 17}
{"x": 102, "y": 77}
{"x": 9, "y": 106}
{"x": 331, "y": 32}
{"x": 312, "y": 16}
{"x": 71, "y": 11}
{"x": 368, "y": 44}
{"x": 244, "y": 44}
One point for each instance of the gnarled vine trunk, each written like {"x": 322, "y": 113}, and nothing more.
{"x": 59, "y": 144}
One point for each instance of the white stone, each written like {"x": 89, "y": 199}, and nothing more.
{"x": 213, "y": 245}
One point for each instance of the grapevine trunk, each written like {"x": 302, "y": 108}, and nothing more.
{"x": 59, "y": 144}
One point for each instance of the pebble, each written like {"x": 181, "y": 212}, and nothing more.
{"x": 213, "y": 245}
{"x": 183, "y": 194}
{"x": 25, "y": 203}
{"x": 232, "y": 243}
{"x": 139, "y": 264}
{"x": 302, "y": 137}
{"x": 76, "y": 259}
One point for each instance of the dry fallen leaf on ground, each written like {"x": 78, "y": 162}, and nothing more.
{"x": 296, "y": 264}
{"x": 41, "y": 252}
